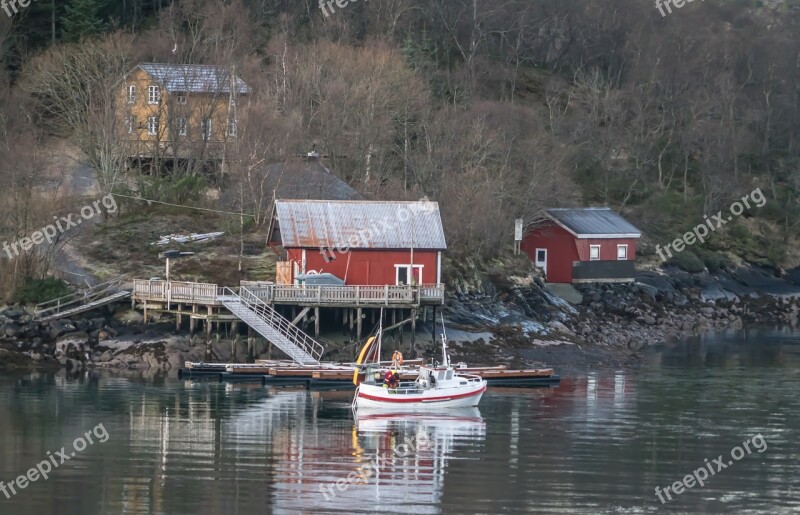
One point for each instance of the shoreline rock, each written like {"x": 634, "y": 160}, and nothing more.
{"x": 498, "y": 320}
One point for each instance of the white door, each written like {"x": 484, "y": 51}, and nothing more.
{"x": 541, "y": 260}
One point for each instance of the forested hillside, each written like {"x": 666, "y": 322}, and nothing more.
{"x": 494, "y": 108}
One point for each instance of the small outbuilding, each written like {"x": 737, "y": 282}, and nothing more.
{"x": 577, "y": 245}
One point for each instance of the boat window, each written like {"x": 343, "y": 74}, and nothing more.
{"x": 441, "y": 375}
{"x": 449, "y": 374}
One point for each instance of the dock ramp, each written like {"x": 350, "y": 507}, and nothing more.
{"x": 81, "y": 301}
{"x": 271, "y": 325}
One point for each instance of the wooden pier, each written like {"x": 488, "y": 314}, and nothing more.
{"x": 340, "y": 376}
{"x": 302, "y": 304}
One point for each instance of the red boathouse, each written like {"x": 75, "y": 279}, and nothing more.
{"x": 360, "y": 243}
{"x": 582, "y": 245}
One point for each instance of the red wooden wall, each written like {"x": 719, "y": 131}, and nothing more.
{"x": 367, "y": 267}
{"x": 563, "y": 249}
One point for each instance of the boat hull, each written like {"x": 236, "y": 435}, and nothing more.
{"x": 374, "y": 397}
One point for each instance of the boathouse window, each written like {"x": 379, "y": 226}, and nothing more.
{"x": 153, "y": 95}
{"x": 594, "y": 252}
{"x": 132, "y": 94}
{"x": 404, "y": 275}
{"x": 622, "y": 252}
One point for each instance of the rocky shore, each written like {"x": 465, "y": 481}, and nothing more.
{"x": 491, "y": 317}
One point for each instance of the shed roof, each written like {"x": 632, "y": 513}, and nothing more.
{"x": 360, "y": 224}
{"x": 593, "y": 222}
{"x": 194, "y": 78}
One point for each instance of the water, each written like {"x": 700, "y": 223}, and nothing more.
{"x": 600, "y": 442}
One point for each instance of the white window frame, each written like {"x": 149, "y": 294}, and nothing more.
{"x": 408, "y": 272}
{"x": 154, "y": 94}
{"x": 131, "y": 93}
{"x": 153, "y": 124}
{"x": 206, "y": 129}
{"x": 233, "y": 128}
{"x": 183, "y": 126}
{"x": 622, "y": 246}
{"x": 131, "y": 123}
{"x": 180, "y": 98}
{"x": 591, "y": 248}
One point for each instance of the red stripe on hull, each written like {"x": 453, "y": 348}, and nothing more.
{"x": 421, "y": 400}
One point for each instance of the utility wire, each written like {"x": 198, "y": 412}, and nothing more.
{"x": 185, "y": 207}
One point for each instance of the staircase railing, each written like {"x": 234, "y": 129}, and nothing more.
{"x": 73, "y": 300}
{"x": 280, "y": 324}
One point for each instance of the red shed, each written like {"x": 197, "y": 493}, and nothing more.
{"x": 361, "y": 242}
{"x": 583, "y": 245}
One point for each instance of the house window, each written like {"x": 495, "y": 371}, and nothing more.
{"x": 205, "y": 128}
{"x": 405, "y": 276}
{"x": 153, "y": 95}
{"x": 131, "y": 94}
{"x": 131, "y": 124}
{"x": 183, "y": 125}
{"x": 594, "y": 252}
{"x": 152, "y": 125}
{"x": 232, "y": 128}
{"x": 622, "y": 252}
{"x": 181, "y": 98}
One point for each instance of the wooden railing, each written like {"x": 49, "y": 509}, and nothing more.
{"x": 208, "y": 294}
{"x": 174, "y": 291}
{"x": 352, "y": 295}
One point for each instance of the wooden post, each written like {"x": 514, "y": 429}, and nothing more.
{"x": 316, "y": 322}
{"x": 413, "y": 327}
{"x": 179, "y": 318}
{"x": 358, "y": 330}
{"x": 251, "y": 345}
{"x": 433, "y": 330}
{"x": 401, "y": 327}
{"x": 193, "y": 320}
{"x": 352, "y": 316}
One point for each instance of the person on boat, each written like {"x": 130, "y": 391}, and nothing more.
{"x": 387, "y": 379}
{"x": 391, "y": 380}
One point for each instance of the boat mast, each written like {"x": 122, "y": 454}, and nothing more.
{"x": 445, "y": 357}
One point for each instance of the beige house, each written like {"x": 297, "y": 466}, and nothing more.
{"x": 177, "y": 111}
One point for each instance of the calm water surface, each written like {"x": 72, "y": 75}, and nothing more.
{"x": 600, "y": 442}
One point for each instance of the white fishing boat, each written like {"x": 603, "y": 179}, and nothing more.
{"x": 436, "y": 387}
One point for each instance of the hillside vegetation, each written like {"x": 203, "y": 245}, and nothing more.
{"x": 493, "y": 108}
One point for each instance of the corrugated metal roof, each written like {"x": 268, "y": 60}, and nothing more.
{"x": 593, "y": 221}
{"x": 194, "y": 78}
{"x": 360, "y": 224}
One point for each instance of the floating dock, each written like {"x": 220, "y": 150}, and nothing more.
{"x": 340, "y": 376}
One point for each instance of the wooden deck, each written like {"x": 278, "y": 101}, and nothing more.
{"x": 174, "y": 292}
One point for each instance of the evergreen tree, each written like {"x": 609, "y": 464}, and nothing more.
{"x": 84, "y": 18}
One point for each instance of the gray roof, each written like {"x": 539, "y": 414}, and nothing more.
{"x": 194, "y": 78}
{"x": 360, "y": 224}
{"x": 301, "y": 179}
{"x": 593, "y": 222}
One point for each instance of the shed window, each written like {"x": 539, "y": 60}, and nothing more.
{"x": 594, "y": 252}
{"x": 405, "y": 276}
{"x": 622, "y": 252}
